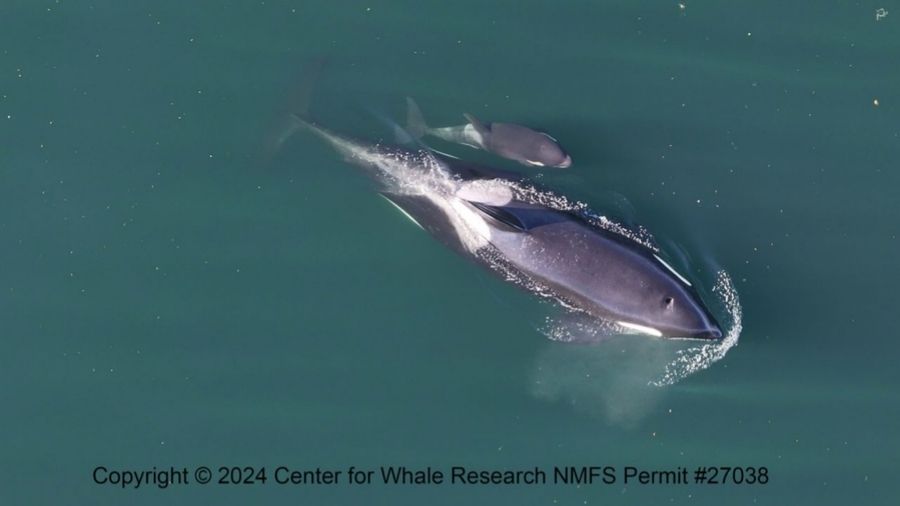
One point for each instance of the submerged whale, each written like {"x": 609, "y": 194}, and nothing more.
{"x": 554, "y": 252}
{"x": 515, "y": 142}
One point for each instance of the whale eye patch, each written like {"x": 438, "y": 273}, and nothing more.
{"x": 668, "y": 301}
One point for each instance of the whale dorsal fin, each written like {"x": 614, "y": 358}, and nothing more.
{"x": 522, "y": 217}
{"x": 503, "y": 217}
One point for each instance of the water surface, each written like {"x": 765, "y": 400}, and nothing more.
{"x": 170, "y": 299}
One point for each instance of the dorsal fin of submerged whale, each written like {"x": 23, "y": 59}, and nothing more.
{"x": 479, "y": 127}
{"x": 522, "y": 217}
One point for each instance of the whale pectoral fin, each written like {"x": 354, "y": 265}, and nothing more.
{"x": 479, "y": 127}
{"x": 429, "y": 217}
{"x": 405, "y": 205}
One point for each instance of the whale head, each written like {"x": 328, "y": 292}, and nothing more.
{"x": 674, "y": 315}
{"x": 667, "y": 305}
{"x": 549, "y": 153}
{"x": 531, "y": 147}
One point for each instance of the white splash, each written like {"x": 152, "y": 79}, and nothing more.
{"x": 533, "y": 195}
{"x": 698, "y": 358}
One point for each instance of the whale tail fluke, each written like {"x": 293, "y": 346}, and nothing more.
{"x": 415, "y": 122}
{"x": 294, "y": 112}
{"x": 301, "y": 94}
{"x": 401, "y": 135}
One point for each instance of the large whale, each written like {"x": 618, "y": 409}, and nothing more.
{"x": 511, "y": 141}
{"x": 551, "y": 251}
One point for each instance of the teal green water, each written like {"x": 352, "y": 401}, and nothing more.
{"x": 170, "y": 300}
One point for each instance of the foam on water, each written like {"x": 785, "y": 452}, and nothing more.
{"x": 534, "y": 195}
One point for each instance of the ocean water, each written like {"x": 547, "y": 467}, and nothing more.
{"x": 173, "y": 295}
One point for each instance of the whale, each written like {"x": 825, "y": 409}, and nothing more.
{"x": 552, "y": 252}
{"x": 508, "y": 140}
